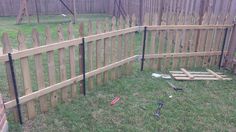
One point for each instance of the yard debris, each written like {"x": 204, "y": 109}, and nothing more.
{"x": 209, "y": 75}
{"x": 115, "y": 100}
{"x": 174, "y": 87}
{"x": 164, "y": 76}
{"x": 156, "y": 75}
{"x": 158, "y": 111}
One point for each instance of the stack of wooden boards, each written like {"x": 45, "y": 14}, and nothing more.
{"x": 190, "y": 75}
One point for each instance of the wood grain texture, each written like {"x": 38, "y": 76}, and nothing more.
{"x": 81, "y": 34}
{"x": 90, "y": 55}
{"x": 51, "y": 68}
{"x": 6, "y": 44}
{"x": 72, "y": 60}
{"x": 31, "y": 111}
{"x": 62, "y": 63}
{"x": 39, "y": 72}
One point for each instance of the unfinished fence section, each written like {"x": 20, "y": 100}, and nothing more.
{"x": 52, "y": 72}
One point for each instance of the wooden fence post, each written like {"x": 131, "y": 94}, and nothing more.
{"x": 8, "y": 49}
{"x": 39, "y": 71}
{"x": 26, "y": 77}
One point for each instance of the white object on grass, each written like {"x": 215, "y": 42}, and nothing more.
{"x": 64, "y": 15}
{"x": 170, "y": 96}
{"x": 156, "y": 75}
{"x": 166, "y": 76}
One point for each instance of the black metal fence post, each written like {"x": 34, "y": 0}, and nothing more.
{"x": 15, "y": 87}
{"x": 144, "y": 47}
{"x": 223, "y": 48}
{"x": 84, "y": 70}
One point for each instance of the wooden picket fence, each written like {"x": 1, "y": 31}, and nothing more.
{"x": 56, "y": 68}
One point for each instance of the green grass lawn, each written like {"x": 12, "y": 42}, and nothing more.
{"x": 203, "y": 106}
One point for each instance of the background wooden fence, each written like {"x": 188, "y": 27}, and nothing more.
{"x": 51, "y": 71}
{"x": 166, "y": 9}
{"x": 52, "y": 7}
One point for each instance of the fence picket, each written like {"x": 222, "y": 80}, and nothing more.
{"x": 114, "y": 50}
{"x": 8, "y": 49}
{"x": 39, "y": 71}
{"x": 72, "y": 60}
{"x": 132, "y": 45}
{"x": 106, "y": 51}
{"x": 126, "y": 46}
{"x": 153, "y": 43}
{"x": 26, "y": 77}
{"x": 120, "y": 48}
{"x": 62, "y": 63}
{"x": 99, "y": 54}
{"x": 90, "y": 56}
{"x": 51, "y": 68}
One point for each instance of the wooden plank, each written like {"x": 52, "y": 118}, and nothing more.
{"x": 153, "y": 44}
{"x": 114, "y": 49}
{"x": 132, "y": 45}
{"x": 106, "y": 51}
{"x": 187, "y": 73}
{"x": 72, "y": 60}
{"x": 177, "y": 55}
{"x": 90, "y": 56}
{"x": 170, "y": 46}
{"x": 215, "y": 74}
{"x": 180, "y": 26}
{"x": 197, "y": 75}
{"x": 176, "y": 48}
{"x": 68, "y": 43}
{"x": 120, "y": 48}
{"x": 42, "y": 92}
{"x": 160, "y": 49}
{"x": 62, "y": 63}
{"x": 8, "y": 49}
{"x": 51, "y": 68}
{"x": 126, "y": 45}
{"x": 198, "y": 79}
{"x": 39, "y": 72}
{"x": 81, "y": 34}
{"x": 31, "y": 112}
{"x": 99, "y": 54}
{"x": 113, "y": 33}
